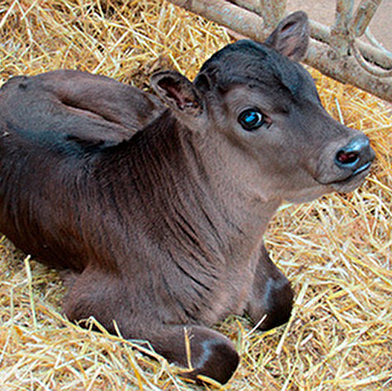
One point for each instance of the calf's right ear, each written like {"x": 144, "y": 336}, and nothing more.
{"x": 177, "y": 92}
{"x": 291, "y": 36}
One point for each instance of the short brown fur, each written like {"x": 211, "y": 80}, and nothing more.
{"x": 160, "y": 229}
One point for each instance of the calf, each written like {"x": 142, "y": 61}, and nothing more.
{"x": 161, "y": 229}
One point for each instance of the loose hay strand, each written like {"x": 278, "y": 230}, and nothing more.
{"x": 30, "y": 283}
{"x": 335, "y": 250}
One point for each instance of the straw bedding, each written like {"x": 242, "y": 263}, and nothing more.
{"x": 336, "y": 250}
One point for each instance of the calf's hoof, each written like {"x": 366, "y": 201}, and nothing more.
{"x": 278, "y": 302}
{"x": 216, "y": 359}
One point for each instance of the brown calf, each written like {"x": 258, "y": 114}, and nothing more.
{"x": 161, "y": 229}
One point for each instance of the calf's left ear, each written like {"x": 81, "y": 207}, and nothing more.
{"x": 177, "y": 92}
{"x": 291, "y": 36}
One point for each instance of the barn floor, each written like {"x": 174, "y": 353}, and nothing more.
{"x": 336, "y": 251}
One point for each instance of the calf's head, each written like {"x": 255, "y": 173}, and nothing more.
{"x": 259, "y": 109}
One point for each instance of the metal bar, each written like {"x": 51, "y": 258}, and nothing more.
{"x": 376, "y": 55}
{"x": 272, "y": 12}
{"x": 368, "y": 68}
{"x": 250, "y": 5}
{"x": 363, "y": 16}
{"x": 339, "y": 33}
{"x": 372, "y": 39}
{"x": 320, "y": 54}
{"x": 380, "y": 58}
{"x": 320, "y": 32}
{"x": 344, "y": 11}
{"x": 347, "y": 71}
{"x": 227, "y": 14}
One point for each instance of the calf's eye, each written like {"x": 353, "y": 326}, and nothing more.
{"x": 251, "y": 119}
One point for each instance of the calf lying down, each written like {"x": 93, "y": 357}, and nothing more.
{"x": 157, "y": 211}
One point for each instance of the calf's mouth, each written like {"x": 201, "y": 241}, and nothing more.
{"x": 352, "y": 180}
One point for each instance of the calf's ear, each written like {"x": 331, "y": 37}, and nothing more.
{"x": 177, "y": 92}
{"x": 291, "y": 36}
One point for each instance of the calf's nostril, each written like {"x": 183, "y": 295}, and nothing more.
{"x": 347, "y": 158}
{"x": 355, "y": 154}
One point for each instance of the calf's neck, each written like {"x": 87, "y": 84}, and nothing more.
{"x": 157, "y": 214}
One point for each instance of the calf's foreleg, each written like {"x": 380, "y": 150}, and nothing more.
{"x": 198, "y": 349}
{"x": 271, "y": 295}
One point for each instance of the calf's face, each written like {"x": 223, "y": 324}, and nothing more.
{"x": 273, "y": 122}
{"x": 260, "y": 109}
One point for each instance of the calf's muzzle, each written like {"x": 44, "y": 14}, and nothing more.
{"x": 356, "y": 156}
